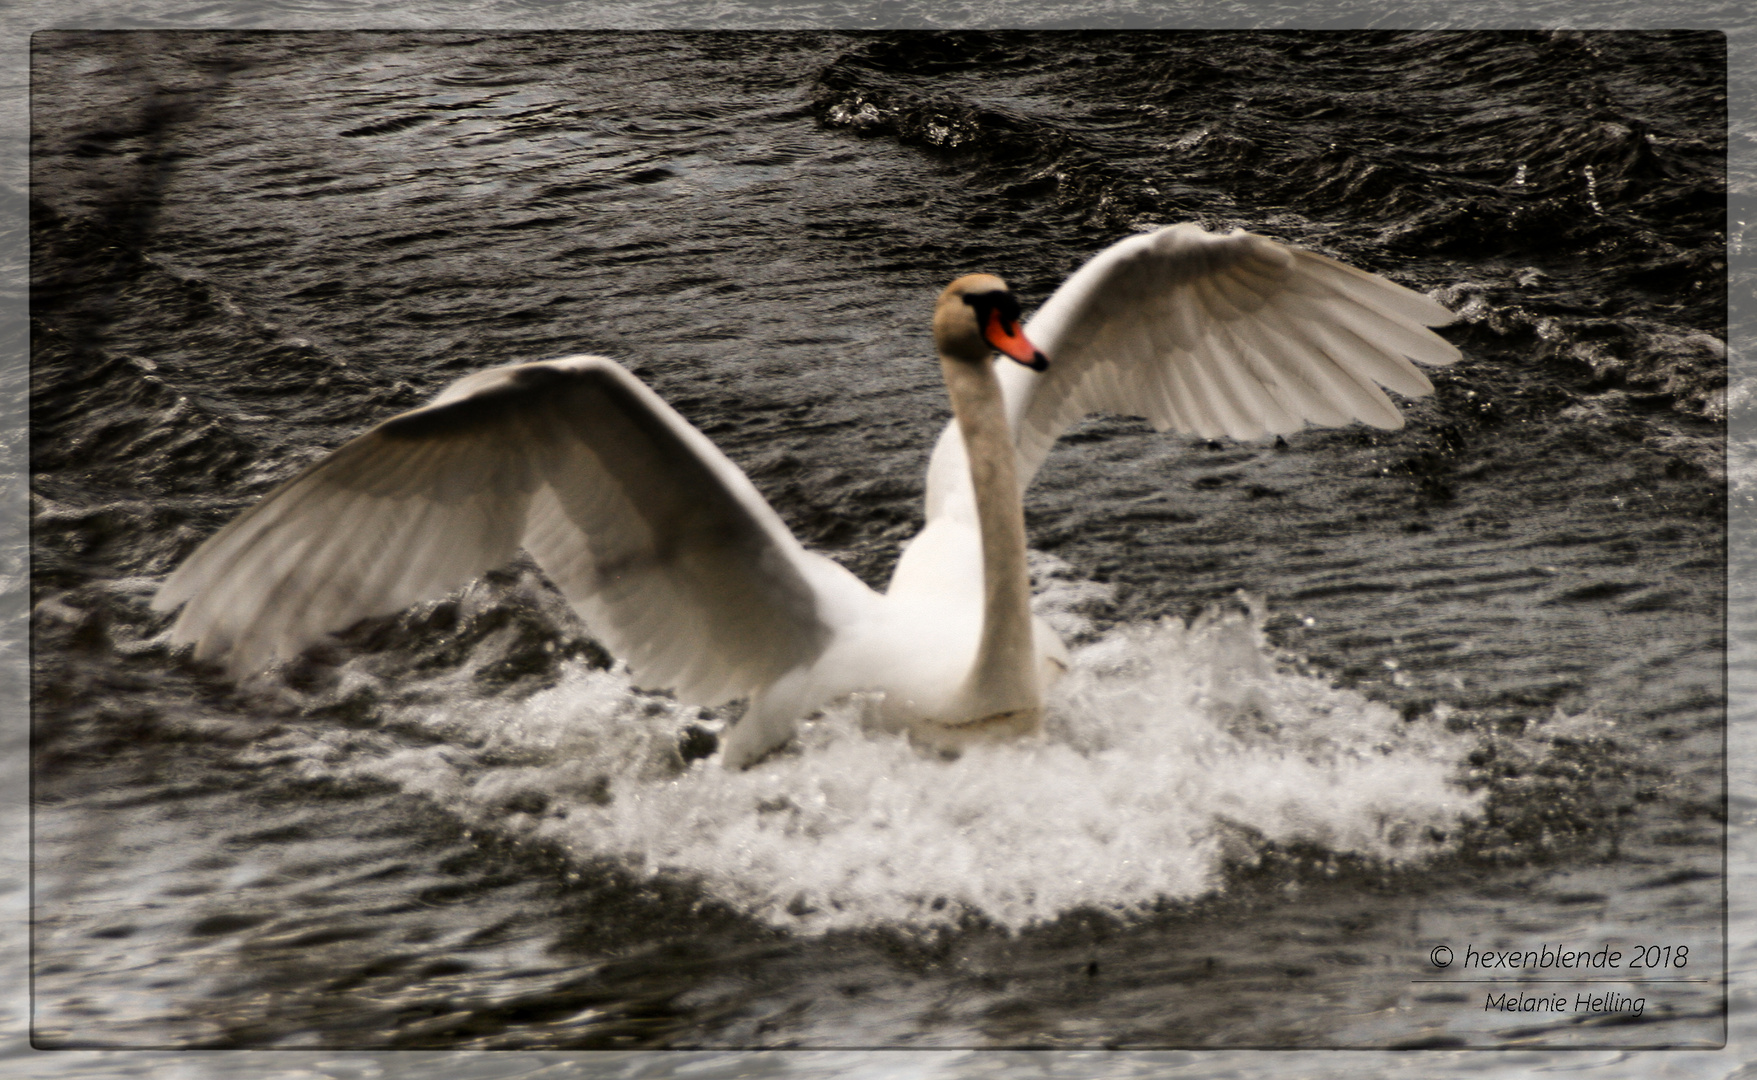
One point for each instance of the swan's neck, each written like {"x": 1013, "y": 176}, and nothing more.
{"x": 1004, "y": 676}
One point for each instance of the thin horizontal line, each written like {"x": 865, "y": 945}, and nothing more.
{"x": 1571, "y": 982}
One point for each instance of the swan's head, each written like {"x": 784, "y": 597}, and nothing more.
{"x": 978, "y": 314}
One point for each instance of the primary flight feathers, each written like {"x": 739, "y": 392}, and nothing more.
{"x": 662, "y": 542}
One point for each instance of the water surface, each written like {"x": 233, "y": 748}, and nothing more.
{"x": 1338, "y": 699}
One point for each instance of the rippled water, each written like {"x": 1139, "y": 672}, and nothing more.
{"x": 1470, "y": 693}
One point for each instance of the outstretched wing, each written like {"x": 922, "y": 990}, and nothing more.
{"x": 1223, "y": 336}
{"x": 1216, "y": 335}
{"x": 664, "y": 546}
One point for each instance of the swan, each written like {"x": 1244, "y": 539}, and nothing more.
{"x": 682, "y": 569}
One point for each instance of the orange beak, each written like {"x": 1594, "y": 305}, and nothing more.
{"x": 1005, "y": 335}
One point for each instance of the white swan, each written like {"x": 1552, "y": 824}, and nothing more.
{"x": 682, "y": 569}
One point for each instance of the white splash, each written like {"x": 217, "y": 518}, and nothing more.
{"x": 1165, "y": 745}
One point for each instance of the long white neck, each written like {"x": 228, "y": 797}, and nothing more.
{"x": 1004, "y": 676}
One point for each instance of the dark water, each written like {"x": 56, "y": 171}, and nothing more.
{"x": 1493, "y": 640}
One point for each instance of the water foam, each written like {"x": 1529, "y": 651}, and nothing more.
{"x": 1165, "y": 744}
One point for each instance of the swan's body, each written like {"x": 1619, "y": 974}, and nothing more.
{"x": 686, "y": 573}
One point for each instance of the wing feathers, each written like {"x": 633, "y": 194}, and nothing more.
{"x": 662, "y": 543}
{"x": 1223, "y": 335}
{"x": 366, "y": 532}
{"x": 689, "y": 564}
{"x": 1372, "y": 291}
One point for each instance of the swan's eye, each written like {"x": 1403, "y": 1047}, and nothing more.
{"x": 990, "y": 304}
{"x": 1000, "y": 301}
{"x": 998, "y": 314}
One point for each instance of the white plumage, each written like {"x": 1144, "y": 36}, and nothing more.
{"x": 684, "y": 571}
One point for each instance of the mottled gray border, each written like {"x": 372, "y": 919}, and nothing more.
{"x": 17, "y": 1060}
